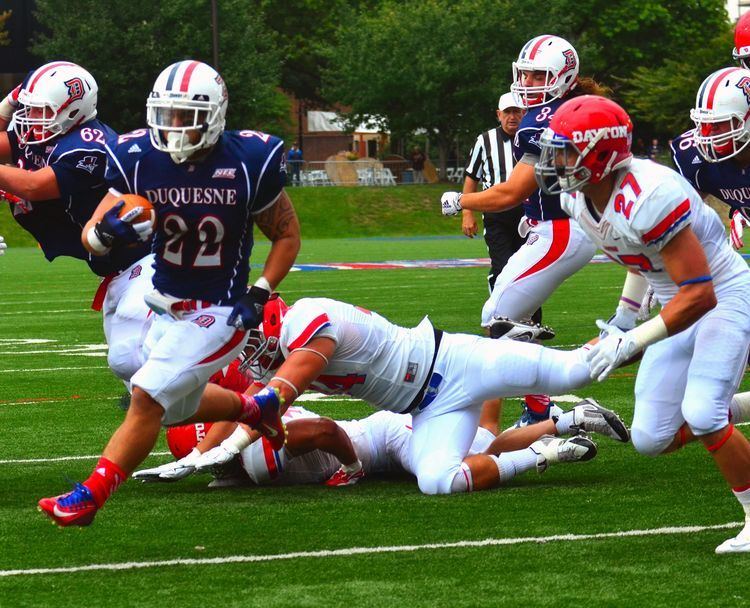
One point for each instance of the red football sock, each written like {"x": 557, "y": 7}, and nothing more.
{"x": 250, "y": 413}
{"x": 539, "y": 404}
{"x": 104, "y": 480}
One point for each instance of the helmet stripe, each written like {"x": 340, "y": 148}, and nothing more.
{"x": 715, "y": 86}
{"x": 172, "y": 74}
{"x": 44, "y": 69}
{"x": 186, "y": 76}
{"x": 539, "y": 43}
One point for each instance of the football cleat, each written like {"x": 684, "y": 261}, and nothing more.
{"x": 342, "y": 478}
{"x": 270, "y": 425}
{"x": 738, "y": 544}
{"x": 529, "y": 417}
{"x": 551, "y": 450}
{"x": 593, "y": 418}
{"x": 521, "y": 331}
{"x": 76, "y": 508}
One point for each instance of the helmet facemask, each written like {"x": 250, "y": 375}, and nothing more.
{"x": 36, "y": 129}
{"x": 560, "y": 167}
{"x": 727, "y": 142}
{"x": 262, "y": 354}
{"x": 182, "y": 127}
{"x": 538, "y": 95}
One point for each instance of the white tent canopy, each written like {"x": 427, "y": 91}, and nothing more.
{"x": 332, "y": 122}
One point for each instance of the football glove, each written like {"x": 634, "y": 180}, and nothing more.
{"x": 3, "y": 245}
{"x": 248, "y": 311}
{"x": 451, "y": 203}
{"x": 172, "y": 471}
{"x": 223, "y": 453}
{"x": 116, "y": 231}
{"x": 737, "y": 227}
{"x": 611, "y": 351}
{"x": 623, "y": 319}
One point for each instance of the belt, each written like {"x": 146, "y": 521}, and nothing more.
{"x": 420, "y": 395}
{"x": 101, "y": 292}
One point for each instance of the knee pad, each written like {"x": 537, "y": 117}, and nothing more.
{"x": 647, "y": 443}
{"x": 437, "y": 477}
{"x": 703, "y": 416}
{"x": 123, "y": 360}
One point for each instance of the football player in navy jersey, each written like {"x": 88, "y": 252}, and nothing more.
{"x": 545, "y": 75}
{"x": 208, "y": 187}
{"x": 58, "y": 147}
{"x": 715, "y": 156}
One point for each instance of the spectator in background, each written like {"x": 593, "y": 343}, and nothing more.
{"x": 655, "y": 149}
{"x": 294, "y": 160}
{"x": 417, "y": 162}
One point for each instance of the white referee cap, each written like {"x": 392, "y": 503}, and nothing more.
{"x": 507, "y": 100}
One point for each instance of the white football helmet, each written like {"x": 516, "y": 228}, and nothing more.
{"x": 54, "y": 99}
{"x": 550, "y": 54}
{"x": 186, "y": 110}
{"x": 721, "y": 112}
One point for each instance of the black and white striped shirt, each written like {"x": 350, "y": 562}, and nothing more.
{"x": 491, "y": 158}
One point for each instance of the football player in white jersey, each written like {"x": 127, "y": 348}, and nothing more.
{"x": 317, "y": 446}
{"x": 441, "y": 379}
{"x": 648, "y": 218}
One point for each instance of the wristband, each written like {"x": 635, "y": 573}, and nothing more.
{"x": 263, "y": 283}
{"x": 95, "y": 242}
{"x": 6, "y": 109}
{"x": 237, "y": 441}
{"x": 649, "y": 332}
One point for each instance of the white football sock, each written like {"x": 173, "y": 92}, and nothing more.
{"x": 510, "y": 464}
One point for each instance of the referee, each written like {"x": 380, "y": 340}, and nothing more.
{"x": 490, "y": 162}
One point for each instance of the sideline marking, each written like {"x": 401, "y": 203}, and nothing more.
{"x": 489, "y": 542}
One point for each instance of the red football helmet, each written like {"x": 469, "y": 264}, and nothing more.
{"x": 741, "y": 50}
{"x": 587, "y": 138}
{"x": 262, "y": 350}
{"x": 235, "y": 376}
{"x": 182, "y": 439}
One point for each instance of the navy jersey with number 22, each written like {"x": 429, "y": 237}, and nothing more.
{"x": 204, "y": 232}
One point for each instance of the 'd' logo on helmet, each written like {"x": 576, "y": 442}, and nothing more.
{"x": 75, "y": 89}
{"x": 744, "y": 86}
{"x": 570, "y": 61}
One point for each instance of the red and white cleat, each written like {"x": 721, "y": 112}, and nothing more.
{"x": 342, "y": 478}
{"x": 76, "y": 508}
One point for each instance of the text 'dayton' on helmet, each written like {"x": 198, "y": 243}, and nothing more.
{"x": 588, "y": 138}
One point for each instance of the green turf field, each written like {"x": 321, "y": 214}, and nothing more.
{"x": 379, "y": 543}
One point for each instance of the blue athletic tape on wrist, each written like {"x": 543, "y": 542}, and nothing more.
{"x": 701, "y": 279}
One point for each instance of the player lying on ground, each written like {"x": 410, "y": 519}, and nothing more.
{"x": 340, "y": 453}
{"x": 209, "y": 187}
{"x": 441, "y": 379}
{"x": 648, "y": 218}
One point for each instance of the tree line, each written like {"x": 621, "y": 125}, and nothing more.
{"x": 430, "y": 66}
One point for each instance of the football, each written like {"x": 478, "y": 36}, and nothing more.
{"x": 133, "y": 200}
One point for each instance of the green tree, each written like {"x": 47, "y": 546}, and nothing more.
{"x": 4, "y": 35}
{"x": 126, "y": 44}
{"x": 436, "y": 65}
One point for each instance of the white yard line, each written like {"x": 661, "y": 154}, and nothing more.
{"x": 490, "y": 542}
{"x": 64, "y": 458}
{"x": 24, "y": 370}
